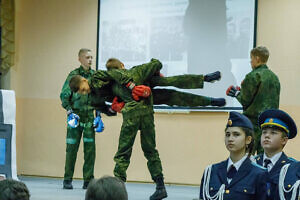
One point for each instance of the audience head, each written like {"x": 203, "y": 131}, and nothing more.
{"x": 106, "y": 188}
{"x": 13, "y": 190}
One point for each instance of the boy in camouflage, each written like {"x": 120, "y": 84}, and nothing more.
{"x": 100, "y": 88}
{"x": 260, "y": 90}
{"x": 79, "y": 106}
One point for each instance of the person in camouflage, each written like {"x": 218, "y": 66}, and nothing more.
{"x": 138, "y": 115}
{"x": 79, "y": 105}
{"x": 260, "y": 90}
{"x": 100, "y": 85}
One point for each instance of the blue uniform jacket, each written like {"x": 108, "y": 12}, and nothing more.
{"x": 273, "y": 175}
{"x": 248, "y": 183}
{"x": 292, "y": 175}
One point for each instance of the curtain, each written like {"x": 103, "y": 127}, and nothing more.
{"x": 7, "y": 18}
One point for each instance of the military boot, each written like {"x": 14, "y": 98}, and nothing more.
{"x": 212, "y": 77}
{"x": 85, "y": 184}
{"x": 218, "y": 102}
{"x": 160, "y": 192}
{"x": 68, "y": 184}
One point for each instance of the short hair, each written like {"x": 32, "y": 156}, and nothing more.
{"x": 13, "y": 190}
{"x": 261, "y": 52}
{"x": 106, "y": 188}
{"x": 74, "y": 83}
{"x": 82, "y": 51}
{"x": 113, "y": 63}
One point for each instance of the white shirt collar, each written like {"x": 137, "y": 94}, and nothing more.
{"x": 238, "y": 164}
{"x": 274, "y": 158}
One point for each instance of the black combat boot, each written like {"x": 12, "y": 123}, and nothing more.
{"x": 212, "y": 77}
{"x": 160, "y": 192}
{"x": 218, "y": 102}
{"x": 85, "y": 184}
{"x": 68, "y": 184}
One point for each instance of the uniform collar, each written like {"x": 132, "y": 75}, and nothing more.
{"x": 261, "y": 67}
{"x": 81, "y": 68}
{"x": 237, "y": 165}
{"x": 274, "y": 158}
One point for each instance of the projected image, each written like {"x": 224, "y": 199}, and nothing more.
{"x": 187, "y": 36}
{"x": 167, "y": 38}
{"x": 130, "y": 47}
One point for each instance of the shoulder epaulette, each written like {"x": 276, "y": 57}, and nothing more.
{"x": 259, "y": 166}
{"x": 292, "y": 159}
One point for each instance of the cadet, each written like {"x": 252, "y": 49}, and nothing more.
{"x": 100, "y": 89}
{"x": 289, "y": 181}
{"x": 80, "y": 121}
{"x": 277, "y": 127}
{"x": 259, "y": 90}
{"x": 138, "y": 115}
{"x": 237, "y": 177}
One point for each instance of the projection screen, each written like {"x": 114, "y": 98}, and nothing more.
{"x": 187, "y": 36}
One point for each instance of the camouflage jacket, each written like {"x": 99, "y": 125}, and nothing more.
{"x": 260, "y": 90}
{"x": 116, "y": 80}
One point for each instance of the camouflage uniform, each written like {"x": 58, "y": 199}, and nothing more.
{"x": 173, "y": 97}
{"x": 100, "y": 84}
{"x": 137, "y": 115}
{"x": 81, "y": 105}
{"x": 260, "y": 91}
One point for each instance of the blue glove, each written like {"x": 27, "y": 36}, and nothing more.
{"x": 73, "y": 119}
{"x": 98, "y": 124}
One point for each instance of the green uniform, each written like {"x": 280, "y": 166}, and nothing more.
{"x": 177, "y": 98}
{"x": 81, "y": 105}
{"x": 260, "y": 91}
{"x": 137, "y": 115}
{"x": 100, "y": 84}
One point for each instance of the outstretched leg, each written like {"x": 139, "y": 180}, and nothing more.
{"x": 176, "y": 98}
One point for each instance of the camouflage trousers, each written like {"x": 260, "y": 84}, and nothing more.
{"x": 129, "y": 129}
{"x": 74, "y": 135}
{"x": 176, "y": 98}
{"x": 188, "y": 81}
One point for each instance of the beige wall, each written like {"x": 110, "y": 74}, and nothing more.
{"x": 49, "y": 34}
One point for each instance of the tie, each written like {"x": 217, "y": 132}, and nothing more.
{"x": 232, "y": 171}
{"x": 267, "y": 162}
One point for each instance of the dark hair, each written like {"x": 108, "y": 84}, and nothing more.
{"x": 113, "y": 63}
{"x": 74, "y": 83}
{"x": 248, "y": 132}
{"x": 250, "y": 147}
{"x": 13, "y": 190}
{"x": 106, "y": 188}
{"x": 261, "y": 52}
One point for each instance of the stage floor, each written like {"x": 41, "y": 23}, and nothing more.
{"x": 51, "y": 188}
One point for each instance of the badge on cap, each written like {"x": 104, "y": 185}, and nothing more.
{"x": 229, "y": 122}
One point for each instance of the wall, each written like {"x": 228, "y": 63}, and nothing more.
{"x": 48, "y": 37}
